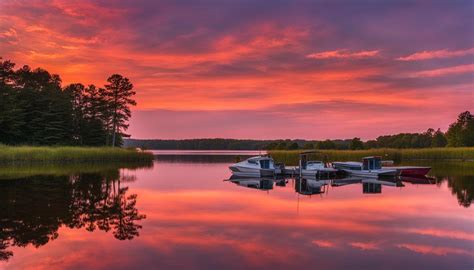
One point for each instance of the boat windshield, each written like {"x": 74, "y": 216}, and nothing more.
{"x": 265, "y": 164}
{"x": 315, "y": 162}
{"x": 372, "y": 163}
{"x": 252, "y": 161}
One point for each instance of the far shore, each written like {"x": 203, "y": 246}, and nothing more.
{"x": 291, "y": 157}
{"x": 12, "y": 155}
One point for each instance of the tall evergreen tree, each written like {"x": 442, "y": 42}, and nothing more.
{"x": 9, "y": 115}
{"x": 119, "y": 93}
{"x": 76, "y": 92}
{"x": 95, "y": 108}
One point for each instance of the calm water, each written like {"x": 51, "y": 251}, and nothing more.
{"x": 180, "y": 214}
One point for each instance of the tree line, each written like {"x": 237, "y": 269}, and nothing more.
{"x": 36, "y": 110}
{"x": 460, "y": 133}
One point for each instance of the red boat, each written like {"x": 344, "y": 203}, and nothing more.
{"x": 410, "y": 170}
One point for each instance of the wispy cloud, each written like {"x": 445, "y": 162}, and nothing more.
{"x": 440, "y": 251}
{"x": 364, "y": 246}
{"x": 343, "y": 54}
{"x": 324, "y": 243}
{"x": 425, "y": 55}
{"x": 200, "y": 57}
{"x": 445, "y": 71}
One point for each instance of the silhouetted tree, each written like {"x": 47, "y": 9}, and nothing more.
{"x": 34, "y": 109}
{"x": 327, "y": 144}
{"x": 356, "y": 144}
{"x": 439, "y": 140}
{"x": 119, "y": 94}
{"x": 461, "y": 133}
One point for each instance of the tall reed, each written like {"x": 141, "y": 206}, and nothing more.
{"x": 398, "y": 155}
{"x": 69, "y": 154}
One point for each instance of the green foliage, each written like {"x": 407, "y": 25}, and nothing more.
{"x": 68, "y": 154}
{"x": 398, "y": 155}
{"x": 327, "y": 144}
{"x": 439, "y": 139}
{"x": 35, "y": 110}
{"x": 119, "y": 91}
{"x": 461, "y": 133}
{"x": 357, "y": 144}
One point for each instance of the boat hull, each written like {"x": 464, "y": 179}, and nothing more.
{"x": 373, "y": 173}
{"x": 323, "y": 172}
{"x": 251, "y": 172}
{"x": 411, "y": 171}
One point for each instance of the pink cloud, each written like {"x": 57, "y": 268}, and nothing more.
{"x": 364, "y": 245}
{"x": 440, "y": 251}
{"x": 424, "y": 55}
{"x": 324, "y": 243}
{"x": 343, "y": 54}
{"x": 445, "y": 71}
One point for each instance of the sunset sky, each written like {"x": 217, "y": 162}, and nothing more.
{"x": 259, "y": 69}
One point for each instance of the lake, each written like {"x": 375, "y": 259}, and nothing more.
{"x": 180, "y": 213}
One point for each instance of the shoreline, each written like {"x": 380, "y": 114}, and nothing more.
{"x": 21, "y": 155}
{"x": 463, "y": 154}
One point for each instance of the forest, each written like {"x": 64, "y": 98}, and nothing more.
{"x": 459, "y": 134}
{"x": 36, "y": 110}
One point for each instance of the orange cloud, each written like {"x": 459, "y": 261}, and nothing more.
{"x": 425, "y": 55}
{"x": 343, "y": 54}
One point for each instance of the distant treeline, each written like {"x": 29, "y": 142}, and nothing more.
{"x": 459, "y": 134}
{"x": 36, "y": 110}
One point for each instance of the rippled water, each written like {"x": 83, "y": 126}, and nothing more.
{"x": 181, "y": 214}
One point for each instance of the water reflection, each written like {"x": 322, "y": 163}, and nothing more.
{"x": 197, "y": 221}
{"x": 307, "y": 186}
{"x": 462, "y": 186}
{"x": 33, "y": 208}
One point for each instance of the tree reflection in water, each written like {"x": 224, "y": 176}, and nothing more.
{"x": 33, "y": 208}
{"x": 463, "y": 188}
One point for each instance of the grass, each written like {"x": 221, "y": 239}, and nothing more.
{"x": 54, "y": 169}
{"x": 13, "y": 155}
{"x": 290, "y": 157}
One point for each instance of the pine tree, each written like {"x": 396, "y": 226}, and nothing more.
{"x": 119, "y": 91}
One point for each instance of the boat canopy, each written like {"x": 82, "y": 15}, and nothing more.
{"x": 372, "y": 163}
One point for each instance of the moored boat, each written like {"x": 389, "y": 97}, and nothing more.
{"x": 317, "y": 169}
{"x": 410, "y": 170}
{"x": 370, "y": 167}
{"x": 259, "y": 166}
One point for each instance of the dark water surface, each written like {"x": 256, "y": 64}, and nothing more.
{"x": 180, "y": 214}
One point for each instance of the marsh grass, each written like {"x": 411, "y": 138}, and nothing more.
{"x": 29, "y": 169}
{"x": 12, "y": 155}
{"x": 398, "y": 155}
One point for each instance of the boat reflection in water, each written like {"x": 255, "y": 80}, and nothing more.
{"x": 311, "y": 186}
{"x": 255, "y": 183}
{"x": 307, "y": 186}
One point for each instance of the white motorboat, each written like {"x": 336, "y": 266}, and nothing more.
{"x": 258, "y": 166}
{"x": 370, "y": 167}
{"x": 316, "y": 169}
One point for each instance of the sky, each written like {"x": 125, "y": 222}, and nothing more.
{"x": 259, "y": 69}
